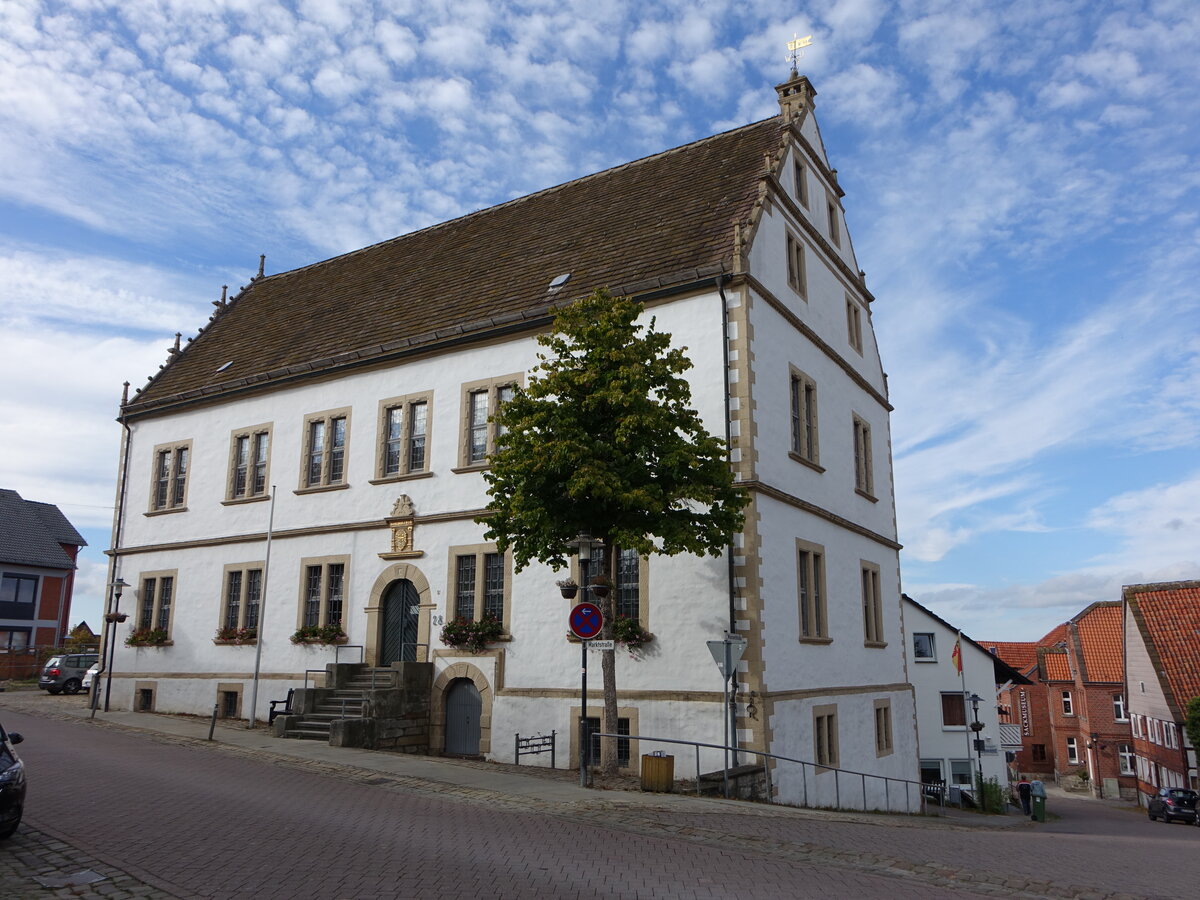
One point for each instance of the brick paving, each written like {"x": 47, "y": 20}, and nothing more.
{"x": 231, "y": 821}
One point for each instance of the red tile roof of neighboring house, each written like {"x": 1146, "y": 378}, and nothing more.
{"x": 1056, "y": 665}
{"x": 1168, "y": 616}
{"x": 1021, "y": 655}
{"x": 1101, "y": 642}
{"x": 1056, "y": 635}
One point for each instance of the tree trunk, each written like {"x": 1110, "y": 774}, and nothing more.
{"x": 608, "y": 666}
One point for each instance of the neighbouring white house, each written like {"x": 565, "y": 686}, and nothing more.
{"x": 361, "y": 386}
{"x": 953, "y": 691}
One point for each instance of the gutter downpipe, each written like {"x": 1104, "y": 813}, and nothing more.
{"x": 729, "y": 713}
{"x": 118, "y": 522}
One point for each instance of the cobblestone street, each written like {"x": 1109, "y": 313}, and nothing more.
{"x": 168, "y": 815}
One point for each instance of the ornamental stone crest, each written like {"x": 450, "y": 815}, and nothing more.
{"x": 402, "y": 523}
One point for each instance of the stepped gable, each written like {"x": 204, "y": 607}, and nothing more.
{"x": 662, "y": 220}
{"x": 1168, "y": 615}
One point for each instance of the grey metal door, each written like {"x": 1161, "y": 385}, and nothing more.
{"x": 401, "y": 611}
{"x": 463, "y": 709}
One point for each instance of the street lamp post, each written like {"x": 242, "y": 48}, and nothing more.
{"x": 585, "y": 543}
{"x": 977, "y": 727}
{"x": 111, "y": 621}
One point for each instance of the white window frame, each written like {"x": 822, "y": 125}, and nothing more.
{"x": 932, "y": 657}
{"x": 1120, "y": 712}
{"x": 1126, "y": 759}
{"x": 1068, "y": 704}
{"x": 1072, "y": 751}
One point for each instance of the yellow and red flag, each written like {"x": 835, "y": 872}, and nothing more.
{"x": 956, "y": 656}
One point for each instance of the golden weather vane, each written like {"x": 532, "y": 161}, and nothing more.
{"x": 796, "y": 49}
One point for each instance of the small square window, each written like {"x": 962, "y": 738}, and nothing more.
{"x": 924, "y": 648}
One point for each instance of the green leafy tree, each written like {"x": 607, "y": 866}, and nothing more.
{"x": 1191, "y": 722}
{"x": 604, "y": 440}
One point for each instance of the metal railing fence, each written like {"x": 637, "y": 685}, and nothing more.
{"x": 910, "y": 786}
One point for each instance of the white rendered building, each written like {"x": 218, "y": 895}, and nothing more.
{"x": 944, "y": 711}
{"x": 360, "y": 387}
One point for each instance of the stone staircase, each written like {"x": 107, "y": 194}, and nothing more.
{"x": 365, "y": 707}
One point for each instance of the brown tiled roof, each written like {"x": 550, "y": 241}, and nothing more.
{"x": 1101, "y": 642}
{"x": 666, "y": 219}
{"x": 1021, "y": 655}
{"x": 1168, "y": 616}
{"x": 1055, "y": 665}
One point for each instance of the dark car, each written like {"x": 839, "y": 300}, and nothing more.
{"x": 12, "y": 783}
{"x": 1170, "y": 804}
{"x": 64, "y": 674}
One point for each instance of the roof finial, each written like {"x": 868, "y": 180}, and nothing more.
{"x": 796, "y": 47}
{"x": 262, "y": 261}
{"x": 175, "y": 349}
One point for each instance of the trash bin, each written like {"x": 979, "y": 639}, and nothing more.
{"x": 658, "y": 772}
{"x": 1039, "y": 809}
{"x": 1038, "y": 792}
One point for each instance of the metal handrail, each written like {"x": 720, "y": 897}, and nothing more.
{"x": 922, "y": 787}
{"x": 306, "y": 674}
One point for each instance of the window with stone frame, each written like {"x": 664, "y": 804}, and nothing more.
{"x": 323, "y": 582}
{"x": 241, "y": 600}
{"x": 825, "y": 736}
{"x": 883, "y": 727}
{"x": 630, "y": 589}
{"x": 481, "y": 579}
{"x": 854, "y": 324}
{"x": 326, "y": 435}
{"x": 249, "y": 460}
{"x": 155, "y": 601}
{"x": 872, "y": 605}
{"x": 168, "y": 488}
{"x": 835, "y": 230}
{"x": 810, "y": 592}
{"x": 800, "y": 179}
{"x": 404, "y": 432}
{"x": 797, "y": 276}
{"x": 864, "y": 476}
{"x": 480, "y": 432}
{"x": 803, "y": 410}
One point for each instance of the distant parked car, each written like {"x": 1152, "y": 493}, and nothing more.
{"x": 1170, "y": 804}
{"x": 12, "y": 783}
{"x": 89, "y": 676}
{"x": 64, "y": 674}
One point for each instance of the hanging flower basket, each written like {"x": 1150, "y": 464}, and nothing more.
{"x": 319, "y": 634}
{"x": 568, "y": 588}
{"x": 147, "y": 637}
{"x": 236, "y": 636}
{"x": 600, "y": 586}
{"x": 466, "y": 634}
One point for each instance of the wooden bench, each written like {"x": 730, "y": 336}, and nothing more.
{"x": 286, "y": 704}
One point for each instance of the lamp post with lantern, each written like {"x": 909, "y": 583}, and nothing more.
{"x": 111, "y": 620}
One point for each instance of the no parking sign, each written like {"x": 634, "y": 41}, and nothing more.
{"x": 586, "y": 621}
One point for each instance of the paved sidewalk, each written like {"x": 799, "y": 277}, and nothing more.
{"x": 798, "y": 836}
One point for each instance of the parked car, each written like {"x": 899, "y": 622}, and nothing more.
{"x": 64, "y": 674}
{"x": 89, "y": 676}
{"x": 12, "y": 783}
{"x": 1170, "y": 804}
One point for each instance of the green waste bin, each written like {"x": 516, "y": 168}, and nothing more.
{"x": 1039, "y": 809}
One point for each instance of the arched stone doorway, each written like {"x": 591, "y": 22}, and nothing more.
{"x": 391, "y": 622}
{"x": 452, "y": 677}
{"x": 464, "y": 708}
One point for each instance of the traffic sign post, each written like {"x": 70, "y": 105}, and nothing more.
{"x": 726, "y": 653}
{"x": 586, "y": 621}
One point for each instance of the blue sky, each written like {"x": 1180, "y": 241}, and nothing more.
{"x": 1022, "y": 184}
